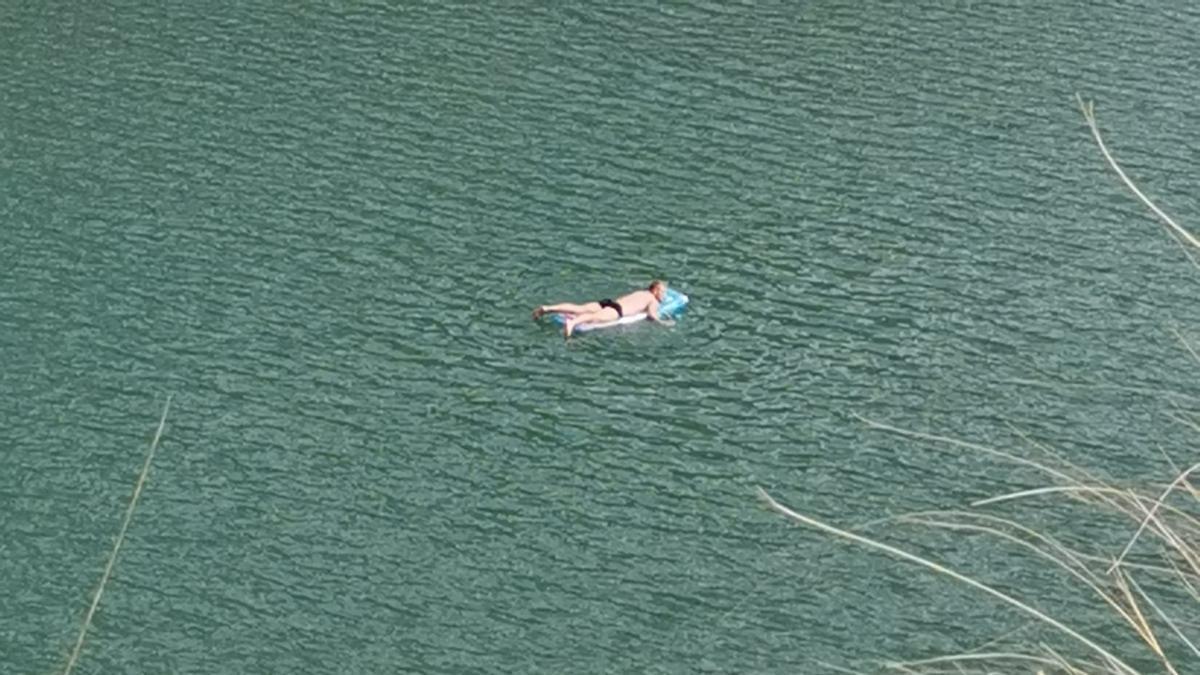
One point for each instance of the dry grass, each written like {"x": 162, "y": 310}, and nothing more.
{"x": 112, "y": 558}
{"x": 1164, "y": 530}
{"x": 1163, "y": 546}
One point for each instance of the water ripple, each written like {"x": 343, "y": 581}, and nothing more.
{"x": 323, "y": 229}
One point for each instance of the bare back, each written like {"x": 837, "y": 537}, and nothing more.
{"x": 636, "y": 302}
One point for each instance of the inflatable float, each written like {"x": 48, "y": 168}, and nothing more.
{"x": 672, "y": 306}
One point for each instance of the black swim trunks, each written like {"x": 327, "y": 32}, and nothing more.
{"x": 607, "y": 302}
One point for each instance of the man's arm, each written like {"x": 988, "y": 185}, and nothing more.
{"x": 652, "y": 314}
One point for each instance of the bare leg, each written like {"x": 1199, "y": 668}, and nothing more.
{"x": 568, "y": 308}
{"x": 600, "y": 316}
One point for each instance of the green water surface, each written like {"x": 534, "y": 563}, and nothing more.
{"x": 321, "y": 228}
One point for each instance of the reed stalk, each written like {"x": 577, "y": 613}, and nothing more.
{"x": 112, "y": 557}
{"x": 1171, "y": 548}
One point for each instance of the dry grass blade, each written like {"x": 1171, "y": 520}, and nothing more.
{"x": 1168, "y": 570}
{"x": 1136, "y": 511}
{"x": 1135, "y": 619}
{"x": 947, "y": 440}
{"x": 1035, "y": 492}
{"x": 1150, "y": 516}
{"x": 1089, "y": 114}
{"x": 1172, "y": 537}
{"x": 1044, "y": 448}
{"x": 840, "y": 669}
{"x": 1101, "y": 494}
{"x": 1068, "y": 561}
{"x": 1142, "y": 626}
{"x": 1163, "y": 615}
{"x": 1062, "y": 662}
{"x": 1004, "y": 638}
{"x": 1186, "y": 345}
{"x": 1183, "y": 579}
{"x": 1182, "y": 419}
{"x": 112, "y": 558}
{"x": 941, "y": 569}
{"x": 1096, "y": 387}
{"x": 1167, "y": 458}
{"x": 981, "y": 657}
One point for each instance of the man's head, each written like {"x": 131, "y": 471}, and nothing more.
{"x": 659, "y": 288}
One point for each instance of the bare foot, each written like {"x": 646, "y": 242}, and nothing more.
{"x": 537, "y": 313}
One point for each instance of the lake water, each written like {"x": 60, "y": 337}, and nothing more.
{"x": 321, "y": 228}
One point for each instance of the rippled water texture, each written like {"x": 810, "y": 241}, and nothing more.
{"x": 322, "y": 228}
